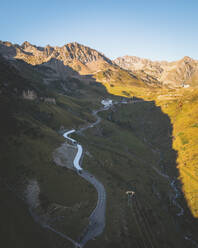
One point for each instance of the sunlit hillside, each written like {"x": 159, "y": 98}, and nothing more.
{"x": 181, "y": 106}
{"x": 182, "y": 110}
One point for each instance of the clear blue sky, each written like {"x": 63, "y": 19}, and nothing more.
{"x": 155, "y": 29}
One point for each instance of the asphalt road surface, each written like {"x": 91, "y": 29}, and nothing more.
{"x": 97, "y": 218}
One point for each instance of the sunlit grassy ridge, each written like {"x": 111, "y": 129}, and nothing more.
{"x": 184, "y": 117}
{"x": 181, "y": 106}
{"x": 117, "y": 81}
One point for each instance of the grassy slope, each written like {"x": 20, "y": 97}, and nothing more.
{"x": 183, "y": 113}
{"x": 178, "y": 150}
{"x": 121, "y": 83}
{"x": 36, "y": 140}
{"x": 129, "y": 140}
{"x": 180, "y": 106}
{"x": 29, "y": 136}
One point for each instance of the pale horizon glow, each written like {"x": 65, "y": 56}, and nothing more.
{"x": 156, "y": 30}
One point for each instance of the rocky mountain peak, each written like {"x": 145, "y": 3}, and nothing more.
{"x": 187, "y": 58}
{"x": 26, "y": 44}
{"x": 83, "y": 53}
{"x": 63, "y": 60}
{"x": 188, "y": 61}
{"x": 68, "y": 53}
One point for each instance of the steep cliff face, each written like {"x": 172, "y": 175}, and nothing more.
{"x": 173, "y": 74}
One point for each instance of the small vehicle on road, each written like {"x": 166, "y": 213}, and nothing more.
{"x": 80, "y": 171}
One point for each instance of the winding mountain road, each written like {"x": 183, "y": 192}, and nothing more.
{"x": 97, "y": 218}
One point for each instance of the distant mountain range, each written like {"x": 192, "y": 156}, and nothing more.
{"x": 73, "y": 57}
{"x": 173, "y": 74}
